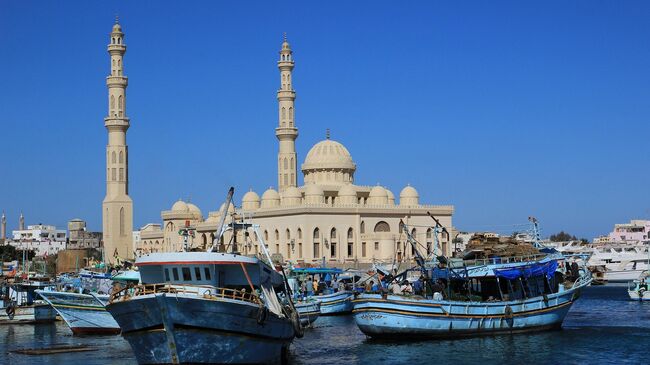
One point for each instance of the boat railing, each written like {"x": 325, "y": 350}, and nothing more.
{"x": 203, "y": 291}
{"x": 582, "y": 280}
{"x": 504, "y": 260}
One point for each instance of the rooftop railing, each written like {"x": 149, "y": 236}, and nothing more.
{"x": 200, "y": 291}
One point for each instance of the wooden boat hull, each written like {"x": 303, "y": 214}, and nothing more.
{"x": 336, "y": 303}
{"x": 173, "y": 328}
{"x": 401, "y": 317}
{"x": 83, "y": 313}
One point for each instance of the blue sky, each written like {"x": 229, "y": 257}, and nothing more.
{"x": 503, "y": 109}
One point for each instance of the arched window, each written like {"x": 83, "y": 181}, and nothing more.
{"x": 429, "y": 233}
{"x": 112, "y": 102}
{"x": 284, "y": 113}
{"x": 414, "y": 233}
{"x": 382, "y": 227}
{"x": 266, "y": 235}
{"x": 211, "y": 238}
{"x": 113, "y": 40}
{"x": 290, "y": 113}
{"x": 113, "y": 157}
{"x": 288, "y": 234}
{"x": 299, "y": 233}
{"x": 204, "y": 240}
{"x": 316, "y": 233}
{"x": 121, "y": 157}
{"x": 350, "y": 234}
{"x": 333, "y": 234}
{"x": 277, "y": 235}
{"x": 286, "y": 163}
{"x": 119, "y": 105}
{"x": 363, "y": 227}
{"x": 122, "y": 221}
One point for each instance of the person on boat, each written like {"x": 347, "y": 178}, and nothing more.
{"x": 418, "y": 286}
{"x": 328, "y": 280}
{"x": 406, "y": 287}
{"x": 369, "y": 285}
{"x": 341, "y": 285}
{"x": 315, "y": 286}
{"x": 395, "y": 288}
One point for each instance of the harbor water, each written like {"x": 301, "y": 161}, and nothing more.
{"x": 603, "y": 327}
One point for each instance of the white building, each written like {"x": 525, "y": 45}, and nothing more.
{"x": 42, "y": 239}
{"x": 635, "y": 231}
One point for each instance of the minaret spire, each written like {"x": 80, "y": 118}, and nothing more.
{"x": 286, "y": 130}
{"x": 117, "y": 208}
{"x": 3, "y": 227}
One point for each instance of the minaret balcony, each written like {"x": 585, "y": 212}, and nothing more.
{"x": 284, "y": 133}
{"x": 116, "y": 48}
{"x": 116, "y": 122}
{"x": 117, "y": 81}
{"x": 286, "y": 94}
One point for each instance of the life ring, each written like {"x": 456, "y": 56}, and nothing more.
{"x": 508, "y": 312}
{"x": 262, "y": 313}
{"x": 295, "y": 321}
{"x": 641, "y": 292}
{"x": 11, "y": 311}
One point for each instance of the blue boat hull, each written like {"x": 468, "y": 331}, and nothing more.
{"x": 400, "y": 317}
{"x": 336, "y": 303}
{"x": 164, "y": 328}
{"x": 308, "y": 311}
{"x": 83, "y": 313}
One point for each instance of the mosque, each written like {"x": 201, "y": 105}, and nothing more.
{"x": 328, "y": 219}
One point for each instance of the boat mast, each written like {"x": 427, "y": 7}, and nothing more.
{"x": 222, "y": 220}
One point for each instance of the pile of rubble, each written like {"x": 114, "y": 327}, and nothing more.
{"x": 483, "y": 246}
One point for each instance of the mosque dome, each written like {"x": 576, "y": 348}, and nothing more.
{"x": 328, "y": 154}
{"x": 378, "y": 196}
{"x": 270, "y": 198}
{"x": 231, "y": 208}
{"x": 180, "y": 206}
{"x": 291, "y": 196}
{"x": 250, "y": 201}
{"x": 409, "y": 196}
{"x": 328, "y": 162}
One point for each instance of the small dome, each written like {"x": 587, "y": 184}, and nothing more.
{"x": 314, "y": 190}
{"x": 250, "y": 197}
{"x": 117, "y": 28}
{"x": 378, "y": 196}
{"x": 270, "y": 194}
{"x": 347, "y": 190}
{"x": 270, "y": 198}
{"x": 409, "y": 192}
{"x": 180, "y": 206}
{"x": 194, "y": 210}
{"x": 378, "y": 192}
{"x": 409, "y": 196}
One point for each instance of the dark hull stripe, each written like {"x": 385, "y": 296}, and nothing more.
{"x": 451, "y": 315}
{"x": 161, "y": 328}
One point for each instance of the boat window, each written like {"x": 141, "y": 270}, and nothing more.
{"x": 207, "y": 273}
{"x": 187, "y": 275}
{"x": 197, "y": 273}
{"x": 175, "y": 272}
{"x": 166, "y": 274}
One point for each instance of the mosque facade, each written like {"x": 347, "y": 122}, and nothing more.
{"x": 328, "y": 219}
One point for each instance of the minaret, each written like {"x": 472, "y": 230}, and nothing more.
{"x": 117, "y": 208}
{"x": 3, "y": 227}
{"x": 21, "y": 222}
{"x": 286, "y": 130}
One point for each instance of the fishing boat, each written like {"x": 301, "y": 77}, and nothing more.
{"x": 483, "y": 296}
{"x": 207, "y": 307}
{"x": 84, "y": 313}
{"x": 19, "y": 304}
{"x": 308, "y": 310}
{"x": 638, "y": 289}
{"x": 334, "y": 299}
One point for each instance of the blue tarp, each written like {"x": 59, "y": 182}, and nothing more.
{"x": 527, "y": 271}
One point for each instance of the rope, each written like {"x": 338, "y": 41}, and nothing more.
{"x": 247, "y": 277}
